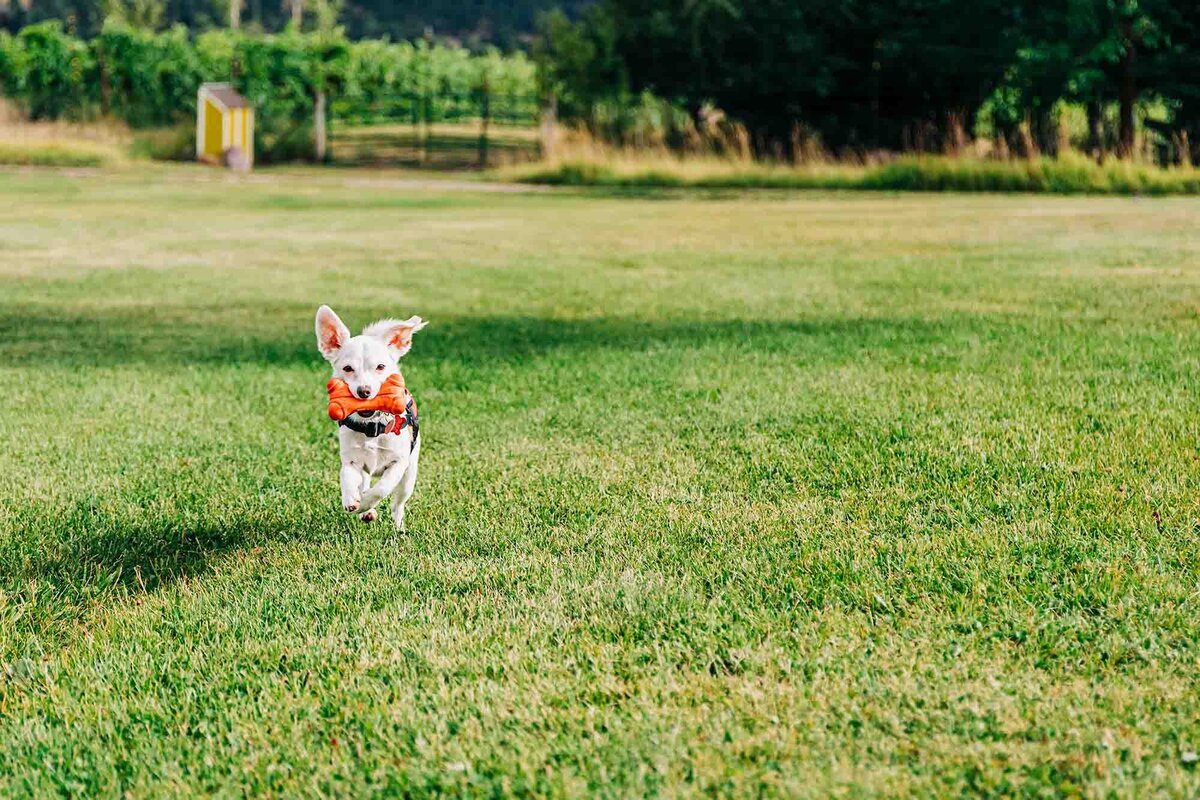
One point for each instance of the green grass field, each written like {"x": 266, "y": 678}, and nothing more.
{"x": 739, "y": 495}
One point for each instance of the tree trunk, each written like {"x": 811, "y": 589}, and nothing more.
{"x": 1128, "y": 96}
{"x": 297, "y": 13}
{"x": 1028, "y": 145}
{"x": 956, "y": 133}
{"x": 1045, "y": 133}
{"x": 235, "y": 14}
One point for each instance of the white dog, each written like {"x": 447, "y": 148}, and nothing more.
{"x": 373, "y": 444}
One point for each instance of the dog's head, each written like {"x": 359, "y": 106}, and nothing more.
{"x": 364, "y": 362}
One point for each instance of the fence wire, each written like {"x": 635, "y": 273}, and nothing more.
{"x": 437, "y": 130}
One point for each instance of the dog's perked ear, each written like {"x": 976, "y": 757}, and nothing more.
{"x": 331, "y": 333}
{"x": 397, "y": 333}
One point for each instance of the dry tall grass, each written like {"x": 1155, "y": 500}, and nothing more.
{"x": 579, "y": 160}
{"x": 60, "y": 143}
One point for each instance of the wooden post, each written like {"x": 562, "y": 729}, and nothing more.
{"x": 485, "y": 100}
{"x": 427, "y": 115}
{"x": 414, "y": 101}
{"x": 426, "y": 91}
{"x": 105, "y": 88}
{"x": 549, "y": 126}
{"x": 319, "y": 125}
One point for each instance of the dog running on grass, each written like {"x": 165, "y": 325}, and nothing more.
{"x": 374, "y": 444}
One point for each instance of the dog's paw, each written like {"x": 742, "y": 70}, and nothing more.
{"x": 368, "y": 516}
{"x": 351, "y": 507}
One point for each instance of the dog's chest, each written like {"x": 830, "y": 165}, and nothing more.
{"x": 373, "y": 453}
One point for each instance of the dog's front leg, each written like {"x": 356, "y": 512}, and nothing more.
{"x": 352, "y": 479}
{"x": 386, "y": 484}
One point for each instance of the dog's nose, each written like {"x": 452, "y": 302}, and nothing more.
{"x": 364, "y": 393}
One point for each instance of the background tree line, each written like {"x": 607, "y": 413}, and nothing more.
{"x": 846, "y": 76}
{"x": 861, "y": 75}
{"x": 504, "y": 23}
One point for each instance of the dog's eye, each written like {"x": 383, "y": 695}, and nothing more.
{"x": 347, "y": 369}
{"x": 380, "y": 368}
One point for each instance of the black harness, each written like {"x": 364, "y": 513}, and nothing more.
{"x": 377, "y": 423}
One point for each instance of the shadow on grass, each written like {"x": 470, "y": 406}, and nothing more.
{"x": 282, "y": 336}
{"x": 145, "y": 554}
{"x": 83, "y": 554}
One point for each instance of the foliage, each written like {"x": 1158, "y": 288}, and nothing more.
{"x": 280, "y": 76}
{"x": 7, "y": 65}
{"x": 869, "y": 74}
{"x": 579, "y": 64}
{"x": 150, "y": 79}
{"x": 504, "y": 24}
{"x": 146, "y": 78}
{"x": 419, "y": 81}
{"x": 145, "y": 14}
{"x": 861, "y": 74}
{"x": 49, "y": 71}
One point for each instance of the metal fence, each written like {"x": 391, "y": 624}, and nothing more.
{"x": 439, "y": 130}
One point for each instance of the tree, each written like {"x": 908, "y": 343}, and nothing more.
{"x": 1170, "y": 69}
{"x": 1092, "y": 52}
{"x": 859, "y": 74}
{"x": 1133, "y": 31}
{"x": 579, "y": 63}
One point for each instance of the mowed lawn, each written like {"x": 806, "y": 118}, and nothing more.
{"x": 801, "y": 495}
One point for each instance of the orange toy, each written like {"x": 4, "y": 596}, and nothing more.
{"x": 392, "y": 398}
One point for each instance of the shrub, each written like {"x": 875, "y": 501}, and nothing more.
{"x": 50, "y": 72}
{"x": 150, "y": 79}
{"x": 8, "y": 51}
